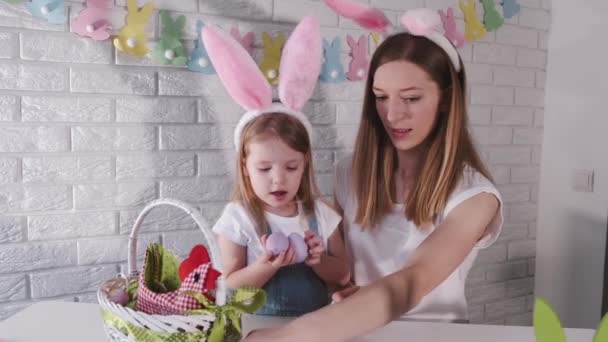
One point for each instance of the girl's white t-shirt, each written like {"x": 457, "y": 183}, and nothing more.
{"x": 236, "y": 225}
{"x": 381, "y": 251}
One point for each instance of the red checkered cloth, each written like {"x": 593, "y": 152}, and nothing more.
{"x": 173, "y": 303}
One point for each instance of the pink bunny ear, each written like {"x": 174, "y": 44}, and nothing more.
{"x": 237, "y": 70}
{"x": 300, "y": 64}
{"x": 351, "y": 41}
{"x": 366, "y": 16}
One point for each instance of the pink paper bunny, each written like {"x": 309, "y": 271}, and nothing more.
{"x": 357, "y": 68}
{"x": 451, "y": 31}
{"x": 92, "y": 20}
{"x": 246, "y": 40}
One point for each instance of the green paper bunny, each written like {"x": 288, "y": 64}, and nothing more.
{"x": 491, "y": 18}
{"x": 170, "y": 49}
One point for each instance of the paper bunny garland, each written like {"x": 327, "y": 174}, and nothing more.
{"x": 422, "y": 22}
{"x": 357, "y": 69}
{"x": 92, "y": 21}
{"x": 132, "y": 37}
{"x": 52, "y": 11}
{"x": 170, "y": 49}
{"x": 298, "y": 73}
{"x": 451, "y": 31}
{"x": 199, "y": 59}
{"x": 332, "y": 70}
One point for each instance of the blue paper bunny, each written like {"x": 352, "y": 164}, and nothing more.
{"x": 332, "y": 70}
{"x": 199, "y": 59}
{"x": 510, "y": 8}
{"x": 52, "y": 11}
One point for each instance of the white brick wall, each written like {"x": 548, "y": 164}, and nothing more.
{"x": 88, "y": 135}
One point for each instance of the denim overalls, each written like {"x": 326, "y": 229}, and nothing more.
{"x": 295, "y": 289}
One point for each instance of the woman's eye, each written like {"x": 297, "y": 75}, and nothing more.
{"x": 411, "y": 99}
{"x": 380, "y": 97}
{"x": 291, "y": 168}
{"x": 265, "y": 169}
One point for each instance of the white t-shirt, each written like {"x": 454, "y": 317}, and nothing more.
{"x": 236, "y": 225}
{"x": 383, "y": 250}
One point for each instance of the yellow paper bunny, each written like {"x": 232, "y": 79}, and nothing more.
{"x": 272, "y": 57}
{"x": 474, "y": 29}
{"x": 132, "y": 37}
{"x": 376, "y": 38}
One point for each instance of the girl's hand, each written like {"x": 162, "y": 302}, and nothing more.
{"x": 315, "y": 248}
{"x": 285, "y": 258}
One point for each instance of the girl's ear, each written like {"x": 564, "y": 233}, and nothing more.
{"x": 244, "y": 166}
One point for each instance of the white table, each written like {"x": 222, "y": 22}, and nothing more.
{"x": 63, "y": 321}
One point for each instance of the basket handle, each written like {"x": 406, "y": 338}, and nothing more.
{"x": 216, "y": 259}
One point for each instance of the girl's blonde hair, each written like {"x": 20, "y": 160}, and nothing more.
{"x": 293, "y": 133}
{"x": 448, "y": 148}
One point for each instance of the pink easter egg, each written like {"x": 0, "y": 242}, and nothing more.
{"x": 277, "y": 243}
{"x": 299, "y": 245}
{"x": 118, "y": 296}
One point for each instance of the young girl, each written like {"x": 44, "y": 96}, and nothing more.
{"x": 275, "y": 188}
{"x": 414, "y": 229}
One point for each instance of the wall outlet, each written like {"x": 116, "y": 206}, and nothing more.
{"x": 582, "y": 180}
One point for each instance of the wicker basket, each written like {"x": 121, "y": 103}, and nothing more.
{"x": 146, "y": 327}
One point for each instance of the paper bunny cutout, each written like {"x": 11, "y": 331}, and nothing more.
{"x": 132, "y": 37}
{"x": 357, "y": 68}
{"x": 92, "y": 21}
{"x": 170, "y": 49}
{"x": 376, "y": 38}
{"x": 53, "y": 11}
{"x": 246, "y": 40}
{"x": 474, "y": 29}
{"x": 199, "y": 59}
{"x": 451, "y": 31}
{"x": 248, "y": 86}
{"x": 491, "y": 18}
{"x": 510, "y": 8}
{"x": 332, "y": 70}
{"x": 272, "y": 57}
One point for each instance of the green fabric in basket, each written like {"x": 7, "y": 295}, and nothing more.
{"x": 145, "y": 335}
{"x": 226, "y": 327}
{"x": 161, "y": 270}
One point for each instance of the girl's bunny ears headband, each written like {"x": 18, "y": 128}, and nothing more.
{"x": 298, "y": 73}
{"x": 419, "y": 22}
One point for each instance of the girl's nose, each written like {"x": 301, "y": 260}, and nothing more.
{"x": 278, "y": 177}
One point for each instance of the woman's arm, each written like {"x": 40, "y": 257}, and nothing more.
{"x": 334, "y": 267}
{"x": 390, "y": 297}
{"x": 236, "y": 271}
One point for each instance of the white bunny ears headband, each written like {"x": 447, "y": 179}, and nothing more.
{"x": 419, "y": 22}
{"x": 298, "y": 73}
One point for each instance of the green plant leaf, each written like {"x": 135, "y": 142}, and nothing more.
{"x": 601, "y": 335}
{"x": 547, "y": 326}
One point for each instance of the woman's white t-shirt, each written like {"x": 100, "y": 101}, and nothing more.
{"x": 378, "y": 252}
{"x": 236, "y": 225}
